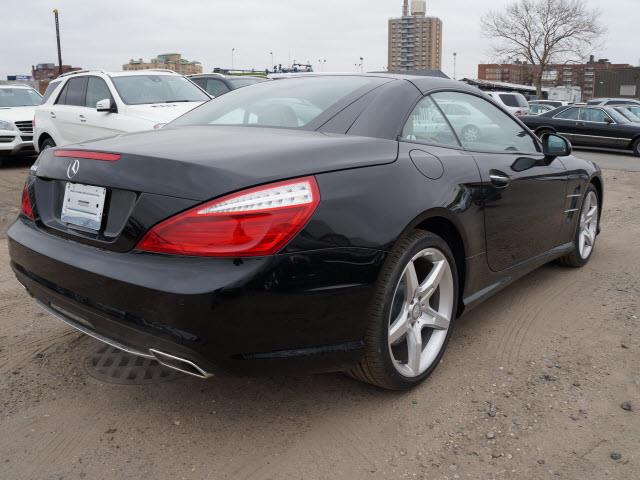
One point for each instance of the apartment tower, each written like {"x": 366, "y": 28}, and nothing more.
{"x": 415, "y": 40}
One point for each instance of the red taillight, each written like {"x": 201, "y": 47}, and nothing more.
{"x": 27, "y": 208}
{"x": 253, "y": 222}
{"x": 106, "y": 157}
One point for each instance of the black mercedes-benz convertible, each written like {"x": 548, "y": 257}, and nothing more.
{"x": 318, "y": 223}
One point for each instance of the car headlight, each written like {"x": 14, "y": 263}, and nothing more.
{"x": 6, "y": 125}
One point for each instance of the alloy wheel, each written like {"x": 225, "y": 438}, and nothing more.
{"x": 588, "y": 225}
{"x": 421, "y": 312}
{"x": 470, "y": 133}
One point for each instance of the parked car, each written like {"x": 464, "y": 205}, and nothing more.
{"x": 540, "y": 108}
{"x": 350, "y": 240}
{"x": 589, "y": 126}
{"x": 216, "y": 84}
{"x": 631, "y": 112}
{"x": 17, "y": 105}
{"x": 471, "y": 123}
{"x": 515, "y": 103}
{"x": 85, "y": 105}
{"x": 551, "y": 103}
{"x": 606, "y": 102}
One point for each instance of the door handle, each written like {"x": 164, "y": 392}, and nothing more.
{"x": 82, "y": 118}
{"x": 53, "y": 115}
{"x": 499, "y": 179}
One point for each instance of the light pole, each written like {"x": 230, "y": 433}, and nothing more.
{"x": 361, "y": 64}
{"x": 272, "y": 64}
{"x": 455, "y": 60}
{"x": 55, "y": 16}
{"x": 233, "y": 51}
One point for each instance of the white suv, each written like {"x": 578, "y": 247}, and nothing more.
{"x": 17, "y": 105}
{"x": 515, "y": 103}
{"x": 85, "y": 105}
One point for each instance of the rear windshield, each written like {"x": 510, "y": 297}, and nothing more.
{"x": 19, "y": 97}
{"x": 513, "y": 100}
{"x": 146, "y": 89}
{"x": 287, "y": 103}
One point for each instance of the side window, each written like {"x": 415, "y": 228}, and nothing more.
{"x": 201, "y": 82}
{"x": 216, "y": 87}
{"x": 97, "y": 90}
{"x": 569, "y": 114}
{"x": 63, "y": 95}
{"x": 594, "y": 115}
{"x": 486, "y": 128}
{"x": 73, "y": 93}
{"x": 427, "y": 124}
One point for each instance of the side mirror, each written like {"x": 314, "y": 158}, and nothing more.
{"x": 555, "y": 146}
{"x": 105, "y": 106}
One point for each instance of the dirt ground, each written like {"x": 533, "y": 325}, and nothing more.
{"x": 532, "y": 387}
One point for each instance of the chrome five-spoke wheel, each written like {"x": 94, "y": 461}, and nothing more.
{"x": 588, "y": 225}
{"x": 421, "y": 312}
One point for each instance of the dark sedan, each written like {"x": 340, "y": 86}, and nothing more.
{"x": 327, "y": 223}
{"x": 589, "y": 126}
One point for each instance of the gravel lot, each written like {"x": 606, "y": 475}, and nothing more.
{"x": 532, "y": 387}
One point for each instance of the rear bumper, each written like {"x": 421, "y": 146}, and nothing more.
{"x": 294, "y": 312}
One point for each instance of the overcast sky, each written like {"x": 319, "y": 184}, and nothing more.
{"x": 106, "y": 34}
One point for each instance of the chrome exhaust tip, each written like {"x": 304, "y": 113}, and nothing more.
{"x": 179, "y": 364}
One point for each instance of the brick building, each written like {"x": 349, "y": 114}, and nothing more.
{"x": 43, "y": 73}
{"x": 618, "y": 83}
{"x": 581, "y": 75}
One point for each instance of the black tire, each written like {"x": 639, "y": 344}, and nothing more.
{"x": 47, "y": 143}
{"x": 376, "y": 366}
{"x": 575, "y": 258}
{"x": 636, "y": 147}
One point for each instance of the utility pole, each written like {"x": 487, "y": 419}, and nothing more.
{"x": 233, "y": 51}
{"x": 455, "y": 59}
{"x": 55, "y": 16}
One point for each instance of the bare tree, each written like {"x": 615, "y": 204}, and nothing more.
{"x": 543, "y": 32}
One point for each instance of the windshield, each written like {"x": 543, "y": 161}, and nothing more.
{"x": 629, "y": 114}
{"x": 145, "y": 89}
{"x": 19, "y": 97}
{"x": 244, "y": 82}
{"x": 634, "y": 110}
{"x": 288, "y": 103}
{"x": 617, "y": 116}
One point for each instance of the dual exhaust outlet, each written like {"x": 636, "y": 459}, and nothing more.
{"x": 179, "y": 364}
{"x": 171, "y": 361}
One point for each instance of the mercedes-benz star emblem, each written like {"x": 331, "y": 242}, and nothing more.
{"x": 73, "y": 168}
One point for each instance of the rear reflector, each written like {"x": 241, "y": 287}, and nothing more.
{"x": 106, "y": 157}
{"x": 26, "y": 207}
{"x": 254, "y": 222}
